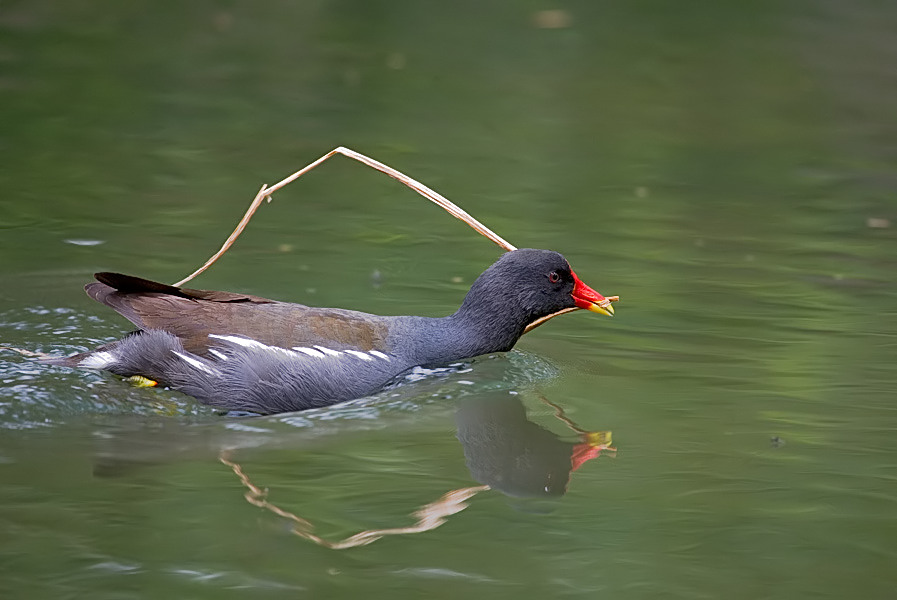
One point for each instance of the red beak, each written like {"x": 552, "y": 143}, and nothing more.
{"x": 587, "y": 298}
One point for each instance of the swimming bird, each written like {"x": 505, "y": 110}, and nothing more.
{"x": 246, "y": 353}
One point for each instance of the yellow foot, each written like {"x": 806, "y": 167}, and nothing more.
{"x": 141, "y": 381}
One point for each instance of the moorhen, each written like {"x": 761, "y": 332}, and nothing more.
{"x": 245, "y": 353}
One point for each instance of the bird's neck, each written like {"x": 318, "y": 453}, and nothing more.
{"x": 471, "y": 331}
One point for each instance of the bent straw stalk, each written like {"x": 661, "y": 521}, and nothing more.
{"x": 265, "y": 194}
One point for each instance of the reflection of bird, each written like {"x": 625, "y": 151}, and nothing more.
{"x": 242, "y": 352}
{"x": 510, "y": 453}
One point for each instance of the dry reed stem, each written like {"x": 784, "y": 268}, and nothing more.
{"x": 431, "y": 195}
{"x": 541, "y": 320}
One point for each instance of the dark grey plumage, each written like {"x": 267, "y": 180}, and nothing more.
{"x": 242, "y": 352}
{"x": 260, "y": 379}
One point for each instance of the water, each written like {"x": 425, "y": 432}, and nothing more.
{"x": 728, "y": 170}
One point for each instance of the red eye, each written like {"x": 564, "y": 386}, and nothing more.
{"x": 553, "y": 277}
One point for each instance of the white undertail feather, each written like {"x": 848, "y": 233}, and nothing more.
{"x": 98, "y": 360}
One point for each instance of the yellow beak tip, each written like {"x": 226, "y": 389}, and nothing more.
{"x": 604, "y": 310}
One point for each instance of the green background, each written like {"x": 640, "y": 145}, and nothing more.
{"x": 727, "y": 168}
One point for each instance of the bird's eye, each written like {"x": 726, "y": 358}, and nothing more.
{"x": 553, "y": 277}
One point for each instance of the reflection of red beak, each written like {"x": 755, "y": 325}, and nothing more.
{"x": 583, "y": 453}
{"x": 587, "y": 298}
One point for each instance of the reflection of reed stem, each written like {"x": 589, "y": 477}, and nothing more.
{"x": 430, "y": 516}
{"x": 27, "y": 353}
{"x": 562, "y": 416}
{"x": 265, "y": 194}
{"x": 596, "y": 439}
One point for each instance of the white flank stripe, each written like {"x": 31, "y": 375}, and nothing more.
{"x": 196, "y": 364}
{"x": 379, "y": 354}
{"x": 98, "y": 360}
{"x": 220, "y": 355}
{"x": 328, "y": 351}
{"x": 360, "y": 355}
{"x": 254, "y": 344}
{"x": 240, "y": 341}
{"x": 309, "y": 351}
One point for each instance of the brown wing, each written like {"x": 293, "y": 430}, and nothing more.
{"x": 192, "y": 315}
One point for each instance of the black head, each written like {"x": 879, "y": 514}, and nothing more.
{"x": 524, "y": 287}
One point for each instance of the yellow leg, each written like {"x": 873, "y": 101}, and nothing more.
{"x": 141, "y": 381}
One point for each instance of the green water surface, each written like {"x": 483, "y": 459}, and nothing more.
{"x": 729, "y": 169}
